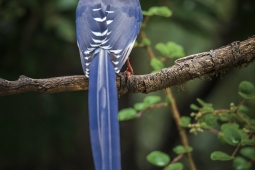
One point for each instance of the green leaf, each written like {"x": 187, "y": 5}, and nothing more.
{"x": 160, "y": 11}
{"x": 248, "y": 152}
{"x": 140, "y": 106}
{"x": 145, "y": 42}
{"x": 194, "y": 107}
{"x": 127, "y": 114}
{"x": 152, "y": 100}
{"x": 157, "y": 64}
{"x": 174, "y": 166}
{"x": 185, "y": 121}
{"x": 246, "y": 90}
{"x": 170, "y": 49}
{"x": 162, "y": 48}
{"x": 232, "y": 135}
{"x": 248, "y": 142}
{"x": 207, "y": 109}
{"x": 243, "y": 134}
{"x": 243, "y": 109}
{"x": 158, "y": 158}
{"x": 146, "y": 13}
{"x": 225, "y": 116}
{"x": 220, "y": 156}
{"x": 229, "y": 125}
{"x": 202, "y": 103}
{"x": 189, "y": 149}
{"x": 181, "y": 149}
{"x": 210, "y": 119}
{"x": 240, "y": 163}
{"x": 175, "y": 50}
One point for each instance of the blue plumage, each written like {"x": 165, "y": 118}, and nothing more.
{"x": 103, "y": 110}
{"x": 108, "y": 24}
{"x": 106, "y": 32}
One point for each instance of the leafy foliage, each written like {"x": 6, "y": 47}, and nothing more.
{"x": 161, "y": 159}
{"x": 236, "y": 126}
{"x": 185, "y": 121}
{"x": 175, "y": 166}
{"x": 181, "y": 149}
{"x": 158, "y": 158}
{"x": 240, "y": 163}
{"x": 160, "y": 11}
{"x": 246, "y": 90}
{"x": 248, "y": 152}
{"x": 127, "y": 114}
{"x": 170, "y": 50}
{"x": 220, "y": 156}
{"x": 157, "y": 64}
{"x": 131, "y": 113}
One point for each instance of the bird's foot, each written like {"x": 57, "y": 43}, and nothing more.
{"x": 129, "y": 70}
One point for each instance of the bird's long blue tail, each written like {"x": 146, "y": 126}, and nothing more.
{"x": 103, "y": 113}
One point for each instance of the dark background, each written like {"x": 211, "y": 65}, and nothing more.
{"x": 50, "y": 131}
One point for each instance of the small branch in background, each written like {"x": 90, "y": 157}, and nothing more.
{"x": 217, "y": 112}
{"x": 155, "y": 106}
{"x": 244, "y": 120}
{"x": 241, "y": 117}
{"x": 182, "y": 132}
{"x": 145, "y": 21}
{"x": 175, "y": 112}
{"x": 235, "y": 151}
{"x": 176, "y": 159}
{"x": 147, "y": 48}
{"x": 212, "y": 130}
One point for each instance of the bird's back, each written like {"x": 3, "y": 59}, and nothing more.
{"x": 107, "y": 24}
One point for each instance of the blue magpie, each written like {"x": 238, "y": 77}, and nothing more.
{"x": 106, "y": 31}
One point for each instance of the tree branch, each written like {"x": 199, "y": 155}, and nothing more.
{"x": 209, "y": 63}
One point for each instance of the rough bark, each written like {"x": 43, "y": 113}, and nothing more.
{"x": 236, "y": 54}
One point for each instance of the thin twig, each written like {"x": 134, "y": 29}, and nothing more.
{"x": 148, "y": 48}
{"x": 182, "y": 132}
{"x": 176, "y": 159}
{"x": 221, "y": 111}
{"x": 213, "y": 130}
{"x": 159, "y": 105}
{"x": 240, "y": 116}
{"x": 235, "y": 151}
{"x": 145, "y": 21}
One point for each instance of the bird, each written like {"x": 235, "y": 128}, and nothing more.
{"x": 106, "y": 31}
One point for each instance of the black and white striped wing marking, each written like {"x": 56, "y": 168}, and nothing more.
{"x": 91, "y": 32}
{"x": 107, "y": 27}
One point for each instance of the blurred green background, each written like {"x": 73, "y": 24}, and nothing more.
{"x": 50, "y": 131}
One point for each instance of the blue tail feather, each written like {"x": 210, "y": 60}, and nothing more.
{"x": 103, "y": 113}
